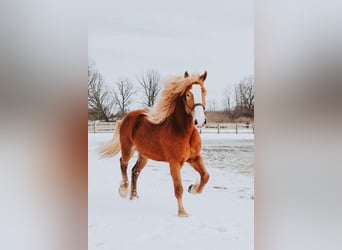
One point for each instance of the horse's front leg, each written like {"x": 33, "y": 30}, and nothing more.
{"x": 178, "y": 187}
{"x": 198, "y": 164}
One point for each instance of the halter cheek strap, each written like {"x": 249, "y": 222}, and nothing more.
{"x": 194, "y": 106}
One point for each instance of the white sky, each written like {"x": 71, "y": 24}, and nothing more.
{"x": 126, "y": 38}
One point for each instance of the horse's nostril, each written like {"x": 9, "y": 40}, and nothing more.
{"x": 196, "y": 122}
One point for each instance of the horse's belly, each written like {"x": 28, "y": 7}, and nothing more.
{"x": 151, "y": 151}
{"x": 165, "y": 153}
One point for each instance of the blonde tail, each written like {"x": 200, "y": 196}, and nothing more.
{"x": 112, "y": 147}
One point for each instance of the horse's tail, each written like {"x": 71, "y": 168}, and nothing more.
{"x": 112, "y": 147}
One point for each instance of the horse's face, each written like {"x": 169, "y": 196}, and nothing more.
{"x": 195, "y": 101}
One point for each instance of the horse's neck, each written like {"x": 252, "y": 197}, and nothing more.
{"x": 180, "y": 119}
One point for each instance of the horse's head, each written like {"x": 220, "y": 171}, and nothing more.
{"x": 194, "y": 99}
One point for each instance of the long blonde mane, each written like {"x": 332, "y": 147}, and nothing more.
{"x": 166, "y": 102}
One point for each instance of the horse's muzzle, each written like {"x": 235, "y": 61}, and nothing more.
{"x": 196, "y": 122}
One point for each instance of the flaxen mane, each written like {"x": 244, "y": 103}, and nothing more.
{"x": 166, "y": 102}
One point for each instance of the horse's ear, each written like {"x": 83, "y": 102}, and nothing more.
{"x": 204, "y": 76}
{"x": 186, "y": 74}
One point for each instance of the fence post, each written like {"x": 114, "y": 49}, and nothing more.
{"x": 218, "y": 128}
{"x": 236, "y": 128}
{"x": 94, "y": 127}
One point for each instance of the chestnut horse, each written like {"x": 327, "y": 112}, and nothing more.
{"x": 166, "y": 132}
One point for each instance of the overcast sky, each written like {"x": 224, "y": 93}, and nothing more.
{"x": 126, "y": 38}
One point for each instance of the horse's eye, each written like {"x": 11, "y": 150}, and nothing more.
{"x": 187, "y": 95}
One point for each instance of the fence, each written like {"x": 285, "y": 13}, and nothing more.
{"x": 219, "y": 128}
{"x": 232, "y": 128}
{"x": 101, "y": 127}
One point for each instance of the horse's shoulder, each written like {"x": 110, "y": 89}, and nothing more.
{"x": 195, "y": 135}
{"x": 195, "y": 140}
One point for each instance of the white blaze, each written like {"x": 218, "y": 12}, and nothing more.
{"x": 199, "y": 111}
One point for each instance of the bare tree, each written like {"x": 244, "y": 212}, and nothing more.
{"x": 100, "y": 105}
{"x": 122, "y": 95}
{"x": 149, "y": 82}
{"x": 249, "y": 92}
{"x": 211, "y": 106}
{"x": 227, "y": 100}
{"x": 244, "y": 96}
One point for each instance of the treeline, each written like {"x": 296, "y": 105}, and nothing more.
{"x": 110, "y": 103}
{"x": 237, "y": 102}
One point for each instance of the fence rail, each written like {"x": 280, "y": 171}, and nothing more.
{"x": 218, "y": 128}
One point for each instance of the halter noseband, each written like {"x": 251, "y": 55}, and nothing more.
{"x": 194, "y": 106}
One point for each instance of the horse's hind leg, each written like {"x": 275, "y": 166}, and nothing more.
{"x": 198, "y": 165}
{"x": 139, "y": 165}
{"x": 126, "y": 155}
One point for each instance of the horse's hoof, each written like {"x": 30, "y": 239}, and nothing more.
{"x": 193, "y": 188}
{"x": 134, "y": 197}
{"x": 183, "y": 214}
{"x": 123, "y": 190}
{"x": 189, "y": 189}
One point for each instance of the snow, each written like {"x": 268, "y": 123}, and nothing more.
{"x": 220, "y": 218}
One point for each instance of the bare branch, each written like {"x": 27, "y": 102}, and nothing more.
{"x": 227, "y": 99}
{"x": 244, "y": 97}
{"x": 149, "y": 81}
{"x": 100, "y": 105}
{"x": 211, "y": 105}
{"x": 122, "y": 95}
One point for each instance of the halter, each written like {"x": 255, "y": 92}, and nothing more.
{"x": 194, "y": 106}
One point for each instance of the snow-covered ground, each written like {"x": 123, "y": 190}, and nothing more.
{"x": 222, "y": 217}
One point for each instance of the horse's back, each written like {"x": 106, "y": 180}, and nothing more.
{"x": 143, "y": 135}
